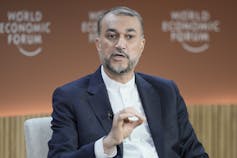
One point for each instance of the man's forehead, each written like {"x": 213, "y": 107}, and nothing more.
{"x": 113, "y": 18}
{"x": 112, "y": 22}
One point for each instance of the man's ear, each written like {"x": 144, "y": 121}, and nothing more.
{"x": 98, "y": 44}
{"x": 142, "y": 45}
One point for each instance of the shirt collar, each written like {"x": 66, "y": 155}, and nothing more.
{"x": 112, "y": 84}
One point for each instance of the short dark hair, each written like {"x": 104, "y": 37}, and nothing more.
{"x": 120, "y": 11}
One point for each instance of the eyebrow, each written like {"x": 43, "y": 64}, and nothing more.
{"x": 111, "y": 30}
{"x": 114, "y": 30}
{"x": 131, "y": 30}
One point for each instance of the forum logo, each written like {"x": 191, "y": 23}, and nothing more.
{"x": 90, "y": 26}
{"x": 25, "y": 30}
{"x": 191, "y": 29}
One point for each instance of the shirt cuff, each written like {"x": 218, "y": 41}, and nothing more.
{"x": 99, "y": 150}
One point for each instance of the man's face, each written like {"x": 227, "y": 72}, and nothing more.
{"x": 120, "y": 43}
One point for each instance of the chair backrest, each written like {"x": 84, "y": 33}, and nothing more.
{"x": 37, "y": 134}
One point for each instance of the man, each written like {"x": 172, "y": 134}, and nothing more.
{"x": 116, "y": 112}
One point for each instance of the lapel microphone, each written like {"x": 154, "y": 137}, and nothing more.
{"x": 110, "y": 115}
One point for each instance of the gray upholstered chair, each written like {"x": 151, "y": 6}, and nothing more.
{"x": 37, "y": 134}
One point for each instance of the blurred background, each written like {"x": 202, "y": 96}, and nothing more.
{"x": 45, "y": 44}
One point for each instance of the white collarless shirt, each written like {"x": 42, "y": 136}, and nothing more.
{"x": 139, "y": 144}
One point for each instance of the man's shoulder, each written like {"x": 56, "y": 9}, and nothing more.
{"x": 159, "y": 83}
{"x": 152, "y": 79}
{"x": 81, "y": 83}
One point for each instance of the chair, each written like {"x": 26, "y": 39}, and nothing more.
{"x": 37, "y": 135}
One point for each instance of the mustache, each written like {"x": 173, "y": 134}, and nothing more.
{"x": 120, "y": 53}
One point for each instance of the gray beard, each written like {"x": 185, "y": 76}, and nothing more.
{"x": 119, "y": 69}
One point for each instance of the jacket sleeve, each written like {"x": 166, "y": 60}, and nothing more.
{"x": 64, "y": 142}
{"x": 189, "y": 145}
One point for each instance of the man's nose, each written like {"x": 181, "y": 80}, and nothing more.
{"x": 121, "y": 43}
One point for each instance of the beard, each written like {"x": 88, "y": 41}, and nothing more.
{"x": 118, "y": 69}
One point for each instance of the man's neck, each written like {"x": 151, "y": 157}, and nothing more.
{"x": 122, "y": 78}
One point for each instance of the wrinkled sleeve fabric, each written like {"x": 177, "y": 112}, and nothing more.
{"x": 64, "y": 142}
{"x": 189, "y": 145}
{"x": 99, "y": 150}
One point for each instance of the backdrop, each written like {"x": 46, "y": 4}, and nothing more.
{"x": 44, "y": 44}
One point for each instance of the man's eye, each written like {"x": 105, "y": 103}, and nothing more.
{"x": 129, "y": 36}
{"x": 111, "y": 36}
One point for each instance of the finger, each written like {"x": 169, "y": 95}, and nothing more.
{"x": 121, "y": 118}
{"x": 135, "y": 115}
{"x": 133, "y": 118}
{"x": 124, "y": 116}
{"x": 140, "y": 117}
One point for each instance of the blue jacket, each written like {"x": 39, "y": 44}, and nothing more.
{"x": 82, "y": 114}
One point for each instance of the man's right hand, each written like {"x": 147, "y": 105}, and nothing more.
{"x": 122, "y": 127}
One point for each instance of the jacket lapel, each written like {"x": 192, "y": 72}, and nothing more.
{"x": 151, "y": 103}
{"x": 99, "y": 101}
